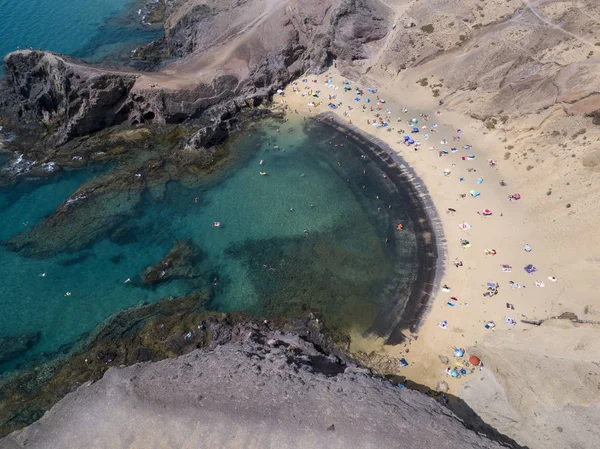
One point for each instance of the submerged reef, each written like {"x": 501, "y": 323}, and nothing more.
{"x": 11, "y": 347}
{"x": 178, "y": 263}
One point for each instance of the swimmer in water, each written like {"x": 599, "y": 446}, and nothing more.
{"x": 127, "y": 280}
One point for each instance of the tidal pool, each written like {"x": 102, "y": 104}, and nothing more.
{"x": 307, "y": 236}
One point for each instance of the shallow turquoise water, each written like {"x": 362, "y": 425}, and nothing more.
{"x": 264, "y": 261}
{"x": 87, "y": 29}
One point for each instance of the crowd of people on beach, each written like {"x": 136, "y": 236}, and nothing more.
{"x": 411, "y": 131}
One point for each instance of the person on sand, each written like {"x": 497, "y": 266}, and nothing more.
{"x": 443, "y": 324}
{"x": 458, "y": 263}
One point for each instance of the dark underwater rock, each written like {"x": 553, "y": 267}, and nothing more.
{"x": 178, "y": 263}
{"x": 12, "y": 347}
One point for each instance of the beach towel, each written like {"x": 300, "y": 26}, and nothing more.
{"x": 403, "y": 362}
{"x": 530, "y": 269}
{"x": 357, "y": 99}
{"x": 474, "y": 193}
{"x": 510, "y": 321}
{"x": 464, "y": 226}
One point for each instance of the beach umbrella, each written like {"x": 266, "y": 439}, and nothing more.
{"x": 368, "y": 100}
{"x": 487, "y": 212}
{"x": 406, "y": 138}
{"x": 411, "y": 141}
{"x": 459, "y": 352}
{"x": 474, "y": 360}
{"x": 415, "y": 130}
{"x": 527, "y": 248}
{"x": 279, "y": 91}
{"x": 454, "y": 373}
{"x": 414, "y": 121}
{"x": 517, "y": 196}
{"x": 479, "y": 180}
{"x": 471, "y": 156}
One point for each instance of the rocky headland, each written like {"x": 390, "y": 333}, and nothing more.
{"x": 251, "y": 386}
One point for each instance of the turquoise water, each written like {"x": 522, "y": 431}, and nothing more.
{"x": 261, "y": 257}
{"x": 87, "y": 29}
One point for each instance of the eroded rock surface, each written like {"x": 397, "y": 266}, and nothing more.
{"x": 259, "y": 390}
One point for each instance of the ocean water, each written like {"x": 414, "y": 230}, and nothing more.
{"x": 259, "y": 260}
{"x": 86, "y": 29}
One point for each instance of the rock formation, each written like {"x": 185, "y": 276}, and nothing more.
{"x": 262, "y": 389}
{"x": 234, "y": 55}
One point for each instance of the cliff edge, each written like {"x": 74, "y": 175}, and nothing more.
{"x": 259, "y": 390}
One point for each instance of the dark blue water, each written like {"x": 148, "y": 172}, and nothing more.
{"x": 86, "y": 29}
{"x": 264, "y": 261}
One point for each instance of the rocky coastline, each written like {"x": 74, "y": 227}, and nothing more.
{"x": 293, "y": 374}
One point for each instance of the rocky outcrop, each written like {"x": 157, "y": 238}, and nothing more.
{"x": 234, "y": 56}
{"x": 75, "y": 99}
{"x": 261, "y": 389}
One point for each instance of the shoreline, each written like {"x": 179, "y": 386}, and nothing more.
{"x": 428, "y": 228}
{"x": 454, "y": 317}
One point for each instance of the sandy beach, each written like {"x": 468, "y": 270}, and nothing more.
{"x": 458, "y": 155}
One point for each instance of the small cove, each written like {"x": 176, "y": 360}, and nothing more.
{"x": 104, "y": 31}
{"x": 260, "y": 260}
